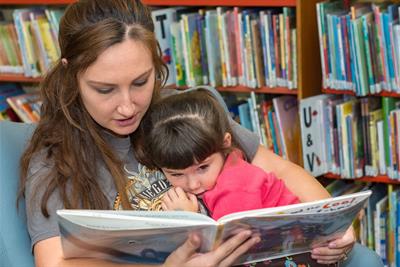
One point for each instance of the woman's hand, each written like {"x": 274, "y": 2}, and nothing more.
{"x": 177, "y": 199}
{"x": 337, "y": 250}
{"x": 225, "y": 255}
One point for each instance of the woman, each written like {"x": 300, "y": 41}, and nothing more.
{"x": 80, "y": 155}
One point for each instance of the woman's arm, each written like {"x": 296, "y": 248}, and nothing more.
{"x": 306, "y": 188}
{"x": 48, "y": 252}
{"x": 299, "y": 181}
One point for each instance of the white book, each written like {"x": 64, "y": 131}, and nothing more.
{"x": 313, "y": 137}
{"x": 381, "y": 147}
{"x": 148, "y": 237}
{"x": 162, "y": 19}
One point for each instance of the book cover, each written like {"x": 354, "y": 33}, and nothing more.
{"x": 162, "y": 19}
{"x": 287, "y": 115}
{"x": 149, "y": 237}
{"x": 312, "y": 119}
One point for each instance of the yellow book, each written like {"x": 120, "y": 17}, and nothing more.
{"x": 31, "y": 56}
{"x": 48, "y": 41}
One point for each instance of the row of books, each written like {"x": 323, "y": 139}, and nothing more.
{"x": 17, "y": 104}
{"x": 378, "y": 225}
{"x": 229, "y": 46}
{"x": 351, "y": 137}
{"x": 28, "y": 40}
{"x": 360, "y": 46}
{"x": 274, "y": 120}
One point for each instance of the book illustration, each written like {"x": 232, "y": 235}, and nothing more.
{"x": 150, "y": 236}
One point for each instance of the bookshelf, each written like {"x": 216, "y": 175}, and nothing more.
{"x": 308, "y": 61}
{"x": 375, "y": 179}
{"x": 374, "y": 77}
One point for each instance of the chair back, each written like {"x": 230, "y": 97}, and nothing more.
{"x": 15, "y": 244}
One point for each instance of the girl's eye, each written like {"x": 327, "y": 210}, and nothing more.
{"x": 140, "y": 83}
{"x": 203, "y": 167}
{"x": 176, "y": 175}
{"x": 104, "y": 90}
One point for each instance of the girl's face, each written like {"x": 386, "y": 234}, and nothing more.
{"x": 201, "y": 176}
{"x": 117, "y": 88}
{"x": 198, "y": 178}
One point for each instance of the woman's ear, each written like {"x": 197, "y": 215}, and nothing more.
{"x": 227, "y": 140}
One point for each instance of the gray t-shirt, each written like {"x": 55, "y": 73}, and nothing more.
{"x": 145, "y": 187}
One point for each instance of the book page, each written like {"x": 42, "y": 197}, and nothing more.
{"x": 127, "y": 220}
{"x": 130, "y": 236}
{"x": 296, "y": 228}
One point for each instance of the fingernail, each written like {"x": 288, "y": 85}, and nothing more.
{"x": 332, "y": 245}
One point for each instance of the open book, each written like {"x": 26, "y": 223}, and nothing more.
{"x": 149, "y": 237}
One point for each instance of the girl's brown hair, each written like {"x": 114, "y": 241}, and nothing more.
{"x": 181, "y": 130}
{"x": 71, "y": 139}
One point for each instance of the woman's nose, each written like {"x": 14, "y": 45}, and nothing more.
{"x": 126, "y": 106}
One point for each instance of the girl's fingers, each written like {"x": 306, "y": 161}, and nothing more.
{"x": 164, "y": 206}
{"x": 192, "y": 198}
{"x": 180, "y": 193}
{"x": 172, "y": 194}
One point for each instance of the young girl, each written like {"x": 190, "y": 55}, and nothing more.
{"x": 188, "y": 137}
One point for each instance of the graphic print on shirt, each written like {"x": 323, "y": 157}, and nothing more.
{"x": 145, "y": 189}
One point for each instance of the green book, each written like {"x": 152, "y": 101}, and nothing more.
{"x": 388, "y": 104}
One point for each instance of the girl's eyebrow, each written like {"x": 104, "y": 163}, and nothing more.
{"x": 143, "y": 75}
{"x": 171, "y": 171}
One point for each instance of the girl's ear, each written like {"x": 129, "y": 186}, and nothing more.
{"x": 227, "y": 140}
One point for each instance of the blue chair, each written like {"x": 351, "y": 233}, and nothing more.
{"x": 15, "y": 244}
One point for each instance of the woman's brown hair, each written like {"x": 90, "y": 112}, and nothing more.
{"x": 71, "y": 139}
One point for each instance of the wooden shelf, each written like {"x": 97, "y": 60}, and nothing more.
{"x": 36, "y": 2}
{"x": 18, "y": 78}
{"x": 267, "y": 90}
{"x": 375, "y": 179}
{"x": 349, "y": 92}
{"x": 244, "y": 89}
{"x": 264, "y": 3}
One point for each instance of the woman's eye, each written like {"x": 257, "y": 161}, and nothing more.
{"x": 140, "y": 83}
{"x": 104, "y": 90}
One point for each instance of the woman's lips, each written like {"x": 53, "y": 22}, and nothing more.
{"x": 126, "y": 122}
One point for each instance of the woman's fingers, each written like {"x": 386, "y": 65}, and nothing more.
{"x": 185, "y": 254}
{"x": 232, "y": 248}
{"x": 347, "y": 241}
{"x": 240, "y": 250}
{"x": 325, "y": 255}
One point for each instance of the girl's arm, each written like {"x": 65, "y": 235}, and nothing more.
{"x": 48, "y": 252}
{"x": 299, "y": 181}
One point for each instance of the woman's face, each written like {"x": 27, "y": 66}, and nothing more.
{"x": 117, "y": 88}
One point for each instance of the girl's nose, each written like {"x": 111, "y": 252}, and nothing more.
{"x": 193, "y": 183}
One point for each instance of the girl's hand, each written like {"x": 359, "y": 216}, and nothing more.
{"x": 225, "y": 255}
{"x": 177, "y": 199}
{"x": 337, "y": 250}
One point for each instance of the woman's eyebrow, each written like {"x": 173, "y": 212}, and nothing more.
{"x": 144, "y": 74}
